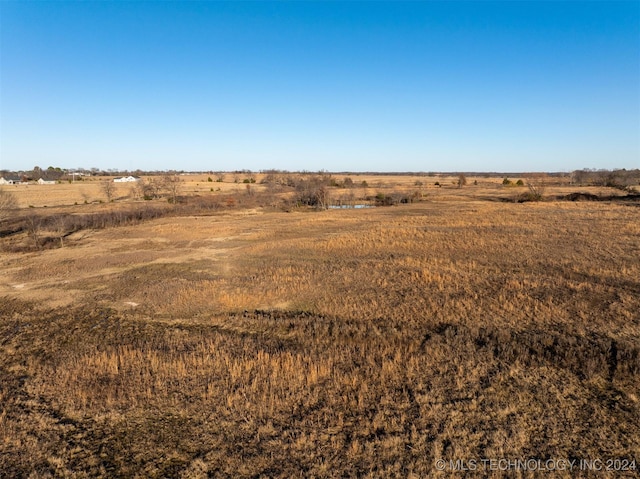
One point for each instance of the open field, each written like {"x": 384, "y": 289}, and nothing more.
{"x": 90, "y": 191}
{"x": 254, "y": 342}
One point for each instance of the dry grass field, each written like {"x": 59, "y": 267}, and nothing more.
{"x": 262, "y": 342}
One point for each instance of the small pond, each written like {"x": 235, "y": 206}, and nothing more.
{"x": 349, "y": 207}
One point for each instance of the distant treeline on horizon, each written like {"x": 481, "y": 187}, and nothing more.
{"x": 55, "y": 173}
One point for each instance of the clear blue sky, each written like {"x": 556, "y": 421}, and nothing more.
{"x": 416, "y": 86}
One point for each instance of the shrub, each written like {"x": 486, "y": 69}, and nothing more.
{"x": 462, "y": 180}
{"x": 536, "y": 185}
{"x": 312, "y": 191}
{"x": 383, "y": 199}
{"x": 528, "y": 197}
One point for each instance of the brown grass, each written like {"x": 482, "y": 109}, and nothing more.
{"x": 362, "y": 343}
{"x": 90, "y": 190}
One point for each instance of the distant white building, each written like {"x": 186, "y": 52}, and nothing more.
{"x": 9, "y": 181}
{"x": 125, "y": 179}
{"x": 45, "y": 182}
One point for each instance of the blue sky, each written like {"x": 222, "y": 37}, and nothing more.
{"x": 354, "y": 86}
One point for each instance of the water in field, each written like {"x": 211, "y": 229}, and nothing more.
{"x": 346, "y": 207}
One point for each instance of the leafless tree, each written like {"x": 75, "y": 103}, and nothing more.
{"x": 313, "y": 191}
{"x": 579, "y": 177}
{"x": 34, "y": 224}
{"x": 149, "y": 188}
{"x": 171, "y": 183}
{"x": 536, "y": 184}
{"x": 322, "y": 194}
{"x": 60, "y": 225}
{"x": 135, "y": 192}
{"x": 8, "y": 203}
{"x": 462, "y": 180}
{"x": 347, "y": 199}
{"x": 109, "y": 189}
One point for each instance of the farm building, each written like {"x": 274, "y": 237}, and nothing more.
{"x": 45, "y": 182}
{"x": 9, "y": 181}
{"x": 126, "y": 179}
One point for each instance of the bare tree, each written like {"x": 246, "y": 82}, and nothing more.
{"x": 8, "y": 203}
{"x": 34, "y": 224}
{"x": 149, "y": 188}
{"x": 536, "y": 184}
{"x": 109, "y": 189}
{"x": 60, "y": 226}
{"x": 37, "y": 173}
{"x": 579, "y": 177}
{"x": 171, "y": 183}
{"x": 313, "y": 191}
{"x": 135, "y": 192}
{"x": 322, "y": 195}
{"x": 462, "y": 180}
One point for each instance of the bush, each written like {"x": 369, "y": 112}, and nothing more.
{"x": 528, "y": 197}
{"x": 313, "y": 191}
{"x": 383, "y": 199}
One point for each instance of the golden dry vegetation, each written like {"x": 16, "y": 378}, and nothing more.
{"x": 255, "y": 342}
{"x": 90, "y": 190}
